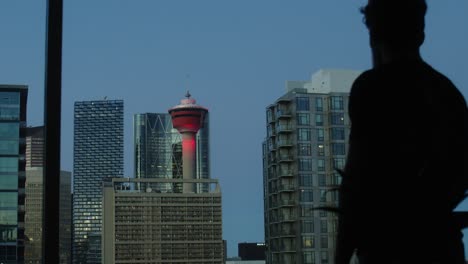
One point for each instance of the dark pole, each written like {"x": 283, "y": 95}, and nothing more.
{"x": 52, "y": 115}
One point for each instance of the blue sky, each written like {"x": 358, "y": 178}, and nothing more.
{"x": 237, "y": 54}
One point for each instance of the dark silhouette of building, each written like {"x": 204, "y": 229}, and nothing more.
{"x": 251, "y": 251}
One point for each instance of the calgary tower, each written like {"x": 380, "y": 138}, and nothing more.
{"x": 187, "y": 118}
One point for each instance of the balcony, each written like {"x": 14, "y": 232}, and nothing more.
{"x": 287, "y": 218}
{"x": 272, "y": 147}
{"x": 284, "y": 143}
{"x": 281, "y": 129}
{"x": 287, "y": 233}
{"x": 285, "y": 158}
{"x": 286, "y": 203}
{"x": 286, "y": 188}
{"x": 286, "y": 173}
{"x": 283, "y": 114}
{"x": 284, "y": 100}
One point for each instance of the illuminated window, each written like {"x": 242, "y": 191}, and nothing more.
{"x": 308, "y": 241}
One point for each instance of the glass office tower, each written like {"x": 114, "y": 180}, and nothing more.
{"x": 307, "y": 133}
{"x": 158, "y": 149}
{"x": 97, "y": 154}
{"x": 12, "y": 172}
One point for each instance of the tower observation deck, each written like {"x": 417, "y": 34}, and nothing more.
{"x": 187, "y": 118}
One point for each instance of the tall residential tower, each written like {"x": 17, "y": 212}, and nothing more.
{"x": 97, "y": 155}
{"x": 306, "y": 141}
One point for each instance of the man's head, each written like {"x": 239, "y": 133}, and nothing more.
{"x": 397, "y": 24}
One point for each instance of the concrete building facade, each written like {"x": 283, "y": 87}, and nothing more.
{"x": 142, "y": 225}
{"x": 307, "y": 133}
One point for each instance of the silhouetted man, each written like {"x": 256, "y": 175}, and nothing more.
{"x": 406, "y": 169}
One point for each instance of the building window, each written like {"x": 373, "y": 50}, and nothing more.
{"x": 338, "y": 163}
{"x": 338, "y": 149}
{"x": 305, "y": 180}
{"x": 303, "y": 119}
{"x": 318, "y": 104}
{"x": 337, "y": 119}
{"x": 324, "y": 241}
{"x": 269, "y": 115}
{"x": 303, "y": 134}
{"x": 302, "y": 103}
{"x": 322, "y": 180}
{"x": 336, "y": 179}
{"x": 337, "y": 133}
{"x": 321, "y": 150}
{"x": 321, "y": 165}
{"x": 307, "y": 196}
{"x": 336, "y": 103}
{"x": 323, "y": 213}
{"x": 308, "y": 258}
{"x": 308, "y": 241}
{"x": 305, "y": 164}
{"x": 324, "y": 257}
{"x": 323, "y": 196}
{"x": 318, "y": 119}
{"x": 320, "y": 134}
{"x": 306, "y": 210}
{"x": 307, "y": 226}
{"x": 304, "y": 149}
{"x": 323, "y": 226}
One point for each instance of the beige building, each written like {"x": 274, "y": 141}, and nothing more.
{"x": 144, "y": 225}
{"x": 33, "y": 218}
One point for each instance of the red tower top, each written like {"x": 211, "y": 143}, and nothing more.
{"x": 187, "y": 116}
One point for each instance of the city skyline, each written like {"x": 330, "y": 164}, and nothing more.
{"x": 237, "y": 55}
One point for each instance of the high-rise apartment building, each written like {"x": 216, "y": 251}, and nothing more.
{"x": 34, "y": 201}
{"x": 97, "y": 154}
{"x": 158, "y": 147}
{"x": 13, "y": 100}
{"x": 306, "y": 140}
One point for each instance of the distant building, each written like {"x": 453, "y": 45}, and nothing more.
{"x": 34, "y": 201}
{"x": 251, "y": 251}
{"x": 97, "y": 154}
{"x": 13, "y": 99}
{"x": 34, "y": 216}
{"x": 307, "y": 138}
{"x": 161, "y": 227}
{"x": 171, "y": 211}
{"x": 158, "y": 147}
